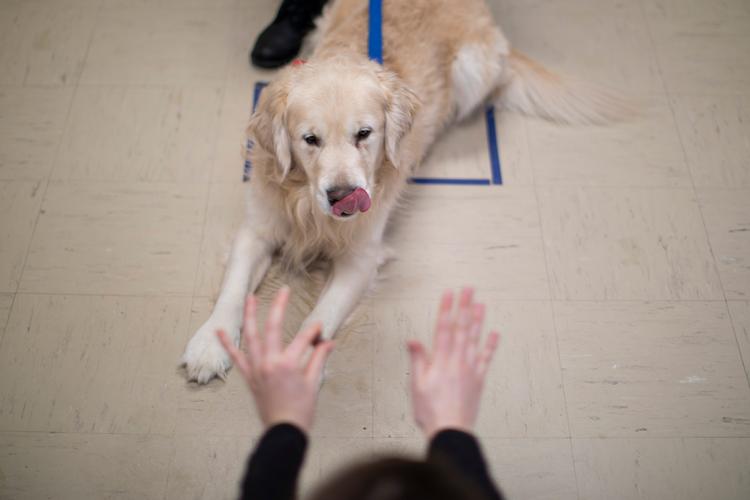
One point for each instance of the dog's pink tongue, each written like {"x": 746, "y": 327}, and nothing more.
{"x": 357, "y": 201}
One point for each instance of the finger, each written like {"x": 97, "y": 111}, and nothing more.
{"x": 443, "y": 328}
{"x": 485, "y": 358}
{"x": 463, "y": 313}
{"x": 250, "y": 330}
{"x": 237, "y": 356}
{"x": 462, "y": 323}
{"x": 314, "y": 370}
{"x": 418, "y": 358}
{"x": 303, "y": 340}
{"x": 275, "y": 321}
{"x": 475, "y": 330}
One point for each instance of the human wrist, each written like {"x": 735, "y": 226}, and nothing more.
{"x": 295, "y": 420}
{"x": 435, "y": 429}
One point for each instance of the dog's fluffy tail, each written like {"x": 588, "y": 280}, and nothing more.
{"x": 533, "y": 90}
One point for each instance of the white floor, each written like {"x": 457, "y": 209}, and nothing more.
{"x": 616, "y": 261}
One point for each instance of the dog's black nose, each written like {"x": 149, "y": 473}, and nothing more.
{"x": 338, "y": 194}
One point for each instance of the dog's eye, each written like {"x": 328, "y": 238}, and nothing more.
{"x": 311, "y": 139}
{"x": 363, "y": 134}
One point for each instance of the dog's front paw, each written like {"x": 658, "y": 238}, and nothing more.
{"x": 204, "y": 357}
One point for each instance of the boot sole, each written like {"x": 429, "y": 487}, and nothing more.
{"x": 270, "y": 63}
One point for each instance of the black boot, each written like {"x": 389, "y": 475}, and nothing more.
{"x": 282, "y": 39}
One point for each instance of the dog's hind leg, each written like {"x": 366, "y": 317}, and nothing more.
{"x": 204, "y": 357}
{"x": 476, "y": 71}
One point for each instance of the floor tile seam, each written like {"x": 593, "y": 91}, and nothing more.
{"x": 37, "y": 293}
{"x": 400, "y": 298}
{"x": 83, "y": 59}
{"x": 87, "y": 433}
{"x": 233, "y": 8}
{"x": 557, "y": 340}
{"x": 737, "y": 340}
{"x": 79, "y": 181}
{"x": 178, "y": 435}
{"x": 167, "y": 7}
{"x": 51, "y": 168}
{"x": 37, "y": 86}
{"x": 696, "y": 197}
{"x": 573, "y": 437}
{"x": 615, "y": 187}
{"x": 201, "y": 242}
{"x": 4, "y": 330}
{"x": 563, "y": 383}
{"x": 186, "y": 85}
{"x": 44, "y": 188}
{"x": 576, "y": 474}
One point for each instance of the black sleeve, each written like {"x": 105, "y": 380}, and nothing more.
{"x": 461, "y": 450}
{"x": 275, "y": 464}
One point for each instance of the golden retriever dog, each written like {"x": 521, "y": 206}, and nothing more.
{"x": 337, "y": 138}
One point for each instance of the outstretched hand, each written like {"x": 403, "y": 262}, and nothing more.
{"x": 284, "y": 381}
{"x": 447, "y": 384}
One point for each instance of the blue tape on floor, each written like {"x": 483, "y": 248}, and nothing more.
{"x": 375, "y": 38}
{"x": 489, "y": 115}
{"x": 449, "y": 181}
{"x": 259, "y": 86}
{"x": 492, "y": 145}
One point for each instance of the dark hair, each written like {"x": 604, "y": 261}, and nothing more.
{"x": 397, "y": 478}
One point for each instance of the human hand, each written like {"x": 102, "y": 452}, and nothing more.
{"x": 283, "y": 382}
{"x": 446, "y": 385}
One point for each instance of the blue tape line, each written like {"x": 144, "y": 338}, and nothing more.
{"x": 448, "y": 181}
{"x": 259, "y": 86}
{"x": 247, "y": 165}
{"x": 375, "y": 38}
{"x": 497, "y": 177}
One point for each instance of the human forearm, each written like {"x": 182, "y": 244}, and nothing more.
{"x": 274, "y": 466}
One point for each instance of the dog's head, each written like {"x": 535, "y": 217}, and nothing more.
{"x": 334, "y": 123}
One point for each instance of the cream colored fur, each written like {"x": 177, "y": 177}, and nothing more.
{"x": 442, "y": 60}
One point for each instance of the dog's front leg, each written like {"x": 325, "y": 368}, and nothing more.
{"x": 204, "y": 357}
{"x": 352, "y": 275}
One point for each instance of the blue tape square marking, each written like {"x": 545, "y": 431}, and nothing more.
{"x": 375, "y": 34}
{"x": 259, "y": 86}
{"x": 492, "y": 145}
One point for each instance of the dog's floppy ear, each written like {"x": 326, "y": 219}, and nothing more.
{"x": 267, "y": 125}
{"x": 401, "y": 106}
